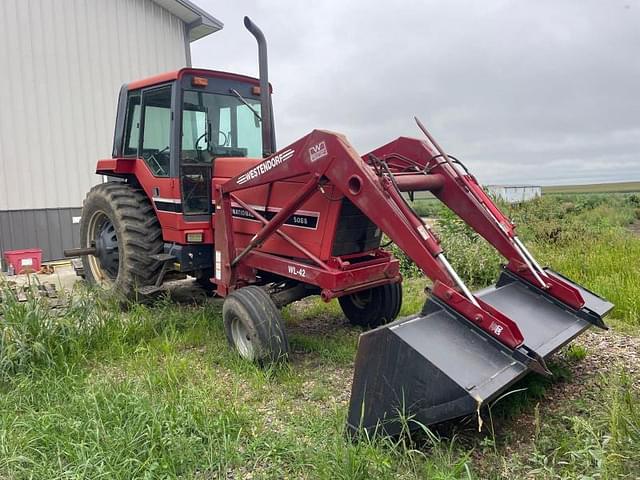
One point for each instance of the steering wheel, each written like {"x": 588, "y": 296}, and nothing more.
{"x": 152, "y": 158}
{"x": 205, "y": 134}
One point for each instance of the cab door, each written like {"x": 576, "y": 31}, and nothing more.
{"x": 155, "y": 141}
{"x": 195, "y": 161}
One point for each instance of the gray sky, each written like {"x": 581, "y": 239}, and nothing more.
{"x": 521, "y": 91}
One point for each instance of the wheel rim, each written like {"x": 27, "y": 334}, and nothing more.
{"x": 241, "y": 339}
{"x": 101, "y": 233}
{"x": 361, "y": 299}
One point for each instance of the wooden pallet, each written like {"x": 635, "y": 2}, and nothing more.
{"x": 21, "y": 293}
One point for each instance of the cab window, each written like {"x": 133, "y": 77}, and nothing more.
{"x": 132, "y": 133}
{"x": 217, "y": 125}
{"x": 156, "y": 136}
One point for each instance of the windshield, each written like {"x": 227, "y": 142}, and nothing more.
{"x": 216, "y": 125}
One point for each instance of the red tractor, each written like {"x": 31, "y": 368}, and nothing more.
{"x": 197, "y": 186}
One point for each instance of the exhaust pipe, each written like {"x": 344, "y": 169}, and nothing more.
{"x": 268, "y": 133}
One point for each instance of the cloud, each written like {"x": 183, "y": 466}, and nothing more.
{"x": 542, "y": 92}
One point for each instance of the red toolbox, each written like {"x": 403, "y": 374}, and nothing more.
{"x": 24, "y": 261}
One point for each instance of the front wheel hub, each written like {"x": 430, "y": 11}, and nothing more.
{"x": 242, "y": 339}
{"x": 103, "y": 235}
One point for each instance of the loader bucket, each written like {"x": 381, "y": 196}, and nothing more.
{"x": 437, "y": 366}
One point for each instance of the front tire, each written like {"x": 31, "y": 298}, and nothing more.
{"x": 120, "y": 222}
{"x": 373, "y": 307}
{"x": 254, "y": 327}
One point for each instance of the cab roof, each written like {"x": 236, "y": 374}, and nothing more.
{"x": 176, "y": 74}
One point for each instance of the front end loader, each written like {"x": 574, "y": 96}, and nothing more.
{"x": 463, "y": 349}
{"x": 197, "y": 187}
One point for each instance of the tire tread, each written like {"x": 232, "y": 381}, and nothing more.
{"x": 139, "y": 234}
{"x": 383, "y": 308}
{"x": 270, "y": 340}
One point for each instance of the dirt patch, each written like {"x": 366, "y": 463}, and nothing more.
{"x": 323, "y": 324}
{"x": 635, "y": 228}
{"x": 607, "y": 353}
{"x": 307, "y": 318}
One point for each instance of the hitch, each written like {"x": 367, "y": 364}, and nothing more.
{"x": 79, "y": 252}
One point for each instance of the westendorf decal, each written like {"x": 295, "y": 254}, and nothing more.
{"x": 265, "y": 166}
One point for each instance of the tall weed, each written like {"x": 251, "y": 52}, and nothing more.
{"x": 32, "y": 334}
{"x": 605, "y": 444}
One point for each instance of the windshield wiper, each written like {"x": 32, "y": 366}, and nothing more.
{"x": 241, "y": 98}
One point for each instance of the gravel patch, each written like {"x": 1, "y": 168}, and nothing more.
{"x": 607, "y": 352}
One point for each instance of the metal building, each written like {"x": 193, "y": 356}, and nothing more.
{"x": 63, "y": 64}
{"x": 515, "y": 193}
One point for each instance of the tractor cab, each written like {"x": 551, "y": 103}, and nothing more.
{"x": 180, "y": 122}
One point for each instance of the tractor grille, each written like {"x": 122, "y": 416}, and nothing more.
{"x": 355, "y": 232}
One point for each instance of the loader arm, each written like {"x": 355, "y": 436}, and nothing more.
{"x": 463, "y": 195}
{"x": 326, "y": 158}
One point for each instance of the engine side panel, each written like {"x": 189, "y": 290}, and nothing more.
{"x": 312, "y": 226}
{"x": 328, "y": 225}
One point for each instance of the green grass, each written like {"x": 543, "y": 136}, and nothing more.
{"x": 584, "y": 440}
{"x": 577, "y": 352}
{"x": 429, "y": 207}
{"x": 156, "y": 393}
{"x": 90, "y": 391}
{"x": 594, "y": 247}
{"x": 613, "y": 187}
{"x": 607, "y": 266}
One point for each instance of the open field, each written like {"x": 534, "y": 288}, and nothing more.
{"x": 91, "y": 391}
{"x": 614, "y": 187}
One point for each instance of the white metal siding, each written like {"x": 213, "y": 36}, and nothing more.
{"x": 63, "y": 64}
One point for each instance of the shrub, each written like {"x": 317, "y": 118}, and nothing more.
{"x": 407, "y": 267}
{"x": 567, "y": 232}
{"x": 427, "y": 207}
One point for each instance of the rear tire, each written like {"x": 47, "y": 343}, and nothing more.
{"x": 373, "y": 307}
{"x": 123, "y": 221}
{"x": 254, "y": 327}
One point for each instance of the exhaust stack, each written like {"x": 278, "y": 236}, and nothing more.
{"x": 268, "y": 133}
